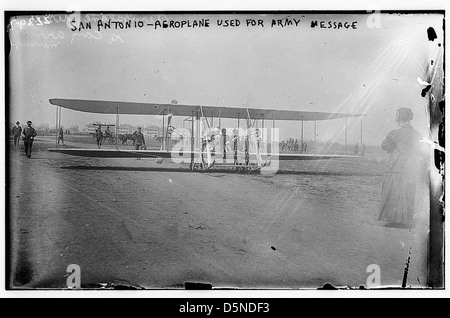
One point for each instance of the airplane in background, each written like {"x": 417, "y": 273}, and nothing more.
{"x": 202, "y": 145}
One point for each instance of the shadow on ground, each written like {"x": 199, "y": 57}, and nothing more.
{"x": 213, "y": 170}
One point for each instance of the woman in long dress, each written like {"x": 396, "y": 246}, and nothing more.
{"x": 406, "y": 165}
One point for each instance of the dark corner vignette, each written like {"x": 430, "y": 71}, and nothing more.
{"x": 435, "y": 93}
{"x": 7, "y": 47}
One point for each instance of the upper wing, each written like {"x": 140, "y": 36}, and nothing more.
{"x": 132, "y": 108}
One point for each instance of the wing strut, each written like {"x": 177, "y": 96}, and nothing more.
{"x": 247, "y": 139}
{"x": 302, "y": 146}
{"x": 362, "y": 147}
{"x": 117, "y": 128}
{"x": 346, "y": 123}
{"x": 192, "y": 142}
{"x": 56, "y": 125}
{"x": 315, "y": 134}
{"x": 163, "y": 144}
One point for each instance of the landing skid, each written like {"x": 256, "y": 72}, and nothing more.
{"x": 203, "y": 166}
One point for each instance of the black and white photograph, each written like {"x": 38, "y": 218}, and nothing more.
{"x": 218, "y": 150}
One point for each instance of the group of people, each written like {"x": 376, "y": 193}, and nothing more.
{"x": 292, "y": 144}
{"x": 138, "y": 137}
{"x": 28, "y": 133}
{"x": 100, "y": 136}
{"x": 234, "y": 146}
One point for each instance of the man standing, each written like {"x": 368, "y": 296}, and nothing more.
{"x": 61, "y": 135}
{"x": 28, "y": 137}
{"x": 139, "y": 141}
{"x": 256, "y": 145}
{"x": 356, "y": 150}
{"x": 99, "y": 136}
{"x": 17, "y": 131}
{"x": 224, "y": 143}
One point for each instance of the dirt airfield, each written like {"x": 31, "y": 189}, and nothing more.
{"x": 158, "y": 226}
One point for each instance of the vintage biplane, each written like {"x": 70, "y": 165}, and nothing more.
{"x": 203, "y": 145}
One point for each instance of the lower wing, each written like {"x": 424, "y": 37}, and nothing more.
{"x": 113, "y": 153}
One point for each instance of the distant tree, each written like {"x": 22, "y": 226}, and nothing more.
{"x": 74, "y": 129}
{"x": 43, "y": 127}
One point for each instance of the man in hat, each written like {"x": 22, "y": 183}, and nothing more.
{"x": 61, "y": 135}
{"x": 139, "y": 141}
{"x": 407, "y": 163}
{"x": 224, "y": 143}
{"x": 99, "y": 136}
{"x": 17, "y": 131}
{"x": 28, "y": 137}
{"x": 257, "y": 144}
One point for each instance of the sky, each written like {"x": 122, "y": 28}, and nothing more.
{"x": 371, "y": 69}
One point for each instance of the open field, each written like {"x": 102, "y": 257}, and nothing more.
{"x": 159, "y": 226}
